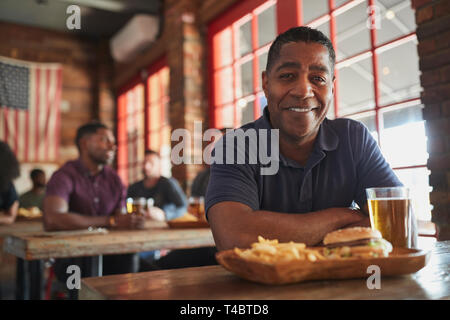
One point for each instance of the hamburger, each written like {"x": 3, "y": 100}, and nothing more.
{"x": 356, "y": 242}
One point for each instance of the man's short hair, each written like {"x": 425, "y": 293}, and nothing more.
{"x": 36, "y": 172}
{"x": 150, "y": 152}
{"x": 87, "y": 129}
{"x": 296, "y": 34}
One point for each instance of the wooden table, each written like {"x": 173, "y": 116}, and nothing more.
{"x": 21, "y": 227}
{"x": 24, "y": 288}
{"x": 35, "y": 246}
{"x": 79, "y": 243}
{"x": 214, "y": 282}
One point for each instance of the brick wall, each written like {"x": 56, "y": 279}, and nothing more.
{"x": 183, "y": 41}
{"x": 433, "y": 33}
{"x": 87, "y": 91}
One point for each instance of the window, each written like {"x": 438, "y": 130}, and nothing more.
{"x": 377, "y": 73}
{"x": 377, "y": 78}
{"x": 240, "y": 46}
{"x": 130, "y": 135}
{"x": 143, "y": 123}
{"x": 157, "y": 115}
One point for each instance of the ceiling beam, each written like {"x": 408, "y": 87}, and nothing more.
{"x": 145, "y": 6}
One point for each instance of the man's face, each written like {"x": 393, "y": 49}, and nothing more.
{"x": 152, "y": 167}
{"x": 299, "y": 90}
{"x": 101, "y": 146}
{"x": 39, "y": 180}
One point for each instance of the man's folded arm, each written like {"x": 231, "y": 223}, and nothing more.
{"x": 235, "y": 224}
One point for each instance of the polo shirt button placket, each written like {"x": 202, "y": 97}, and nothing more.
{"x": 96, "y": 198}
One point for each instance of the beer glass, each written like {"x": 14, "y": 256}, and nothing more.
{"x": 390, "y": 213}
{"x": 136, "y": 205}
{"x": 196, "y": 207}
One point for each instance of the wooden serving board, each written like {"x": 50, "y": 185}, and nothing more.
{"x": 188, "y": 224}
{"x": 400, "y": 261}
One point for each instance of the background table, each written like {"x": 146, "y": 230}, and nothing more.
{"x": 214, "y": 282}
{"x": 78, "y": 243}
{"x": 20, "y": 227}
{"x": 35, "y": 246}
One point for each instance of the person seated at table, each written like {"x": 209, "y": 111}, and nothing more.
{"x": 313, "y": 184}
{"x": 35, "y": 196}
{"x": 87, "y": 192}
{"x": 169, "y": 200}
{"x": 9, "y": 170}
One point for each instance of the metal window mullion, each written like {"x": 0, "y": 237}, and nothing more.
{"x": 373, "y": 41}
{"x": 333, "y": 36}
{"x": 161, "y": 108}
{"x": 234, "y": 48}
{"x": 255, "y": 61}
{"x": 410, "y": 167}
{"x": 146, "y": 112}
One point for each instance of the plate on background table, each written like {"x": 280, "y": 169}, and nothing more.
{"x": 188, "y": 224}
{"x": 399, "y": 262}
{"x": 187, "y": 221}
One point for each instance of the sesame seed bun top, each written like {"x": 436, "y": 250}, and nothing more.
{"x": 351, "y": 234}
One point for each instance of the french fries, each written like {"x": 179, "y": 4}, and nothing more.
{"x": 271, "y": 251}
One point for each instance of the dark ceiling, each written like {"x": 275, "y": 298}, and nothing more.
{"x": 99, "y": 18}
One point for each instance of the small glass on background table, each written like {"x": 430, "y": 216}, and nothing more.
{"x": 391, "y": 214}
{"x": 196, "y": 207}
{"x": 138, "y": 205}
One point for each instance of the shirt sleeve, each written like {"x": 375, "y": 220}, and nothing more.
{"x": 61, "y": 185}
{"x": 232, "y": 182}
{"x": 372, "y": 168}
{"x": 176, "y": 205}
{"x": 197, "y": 188}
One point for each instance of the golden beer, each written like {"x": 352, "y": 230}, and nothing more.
{"x": 197, "y": 207}
{"x": 391, "y": 216}
{"x": 136, "y": 205}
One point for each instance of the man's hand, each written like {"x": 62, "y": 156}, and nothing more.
{"x": 155, "y": 213}
{"x": 129, "y": 221}
{"x": 365, "y": 220}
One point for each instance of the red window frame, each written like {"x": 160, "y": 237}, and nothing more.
{"x": 131, "y": 172}
{"x": 125, "y": 147}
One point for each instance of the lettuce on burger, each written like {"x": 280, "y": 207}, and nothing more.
{"x": 355, "y": 242}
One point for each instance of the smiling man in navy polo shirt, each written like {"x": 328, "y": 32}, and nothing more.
{"x": 324, "y": 166}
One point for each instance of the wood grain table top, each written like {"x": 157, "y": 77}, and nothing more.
{"x": 21, "y": 227}
{"x": 77, "y": 243}
{"x": 216, "y": 283}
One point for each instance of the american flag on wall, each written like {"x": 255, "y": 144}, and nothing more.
{"x": 30, "y": 96}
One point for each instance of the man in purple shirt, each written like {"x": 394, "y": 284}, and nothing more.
{"x": 88, "y": 193}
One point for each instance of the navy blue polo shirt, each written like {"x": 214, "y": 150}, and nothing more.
{"x": 345, "y": 160}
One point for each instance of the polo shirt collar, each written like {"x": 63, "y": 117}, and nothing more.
{"x": 327, "y": 139}
{"x": 84, "y": 170}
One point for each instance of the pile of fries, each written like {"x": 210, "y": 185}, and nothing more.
{"x": 271, "y": 251}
